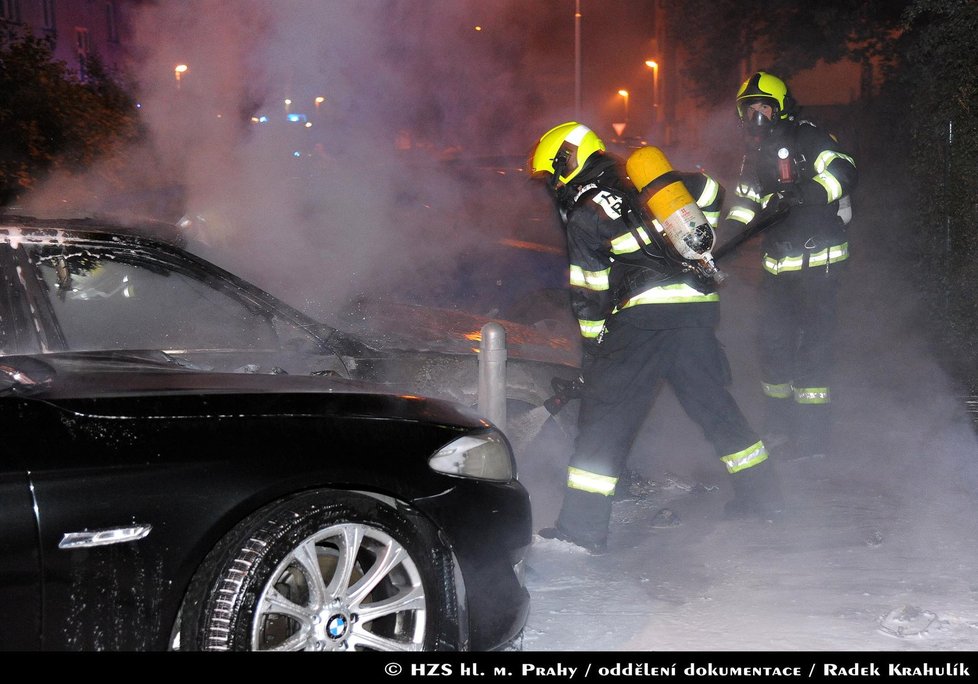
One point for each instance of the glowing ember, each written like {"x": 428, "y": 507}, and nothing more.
{"x": 534, "y": 246}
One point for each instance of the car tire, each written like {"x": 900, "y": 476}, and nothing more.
{"x": 285, "y": 579}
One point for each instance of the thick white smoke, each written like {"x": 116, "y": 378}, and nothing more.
{"x": 360, "y": 192}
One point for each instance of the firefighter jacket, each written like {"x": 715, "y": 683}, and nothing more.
{"x": 615, "y": 266}
{"x": 802, "y": 166}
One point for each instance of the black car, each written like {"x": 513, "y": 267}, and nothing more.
{"x": 190, "y": 463}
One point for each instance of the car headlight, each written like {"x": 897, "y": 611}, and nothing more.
{"x": 482, "y": 457}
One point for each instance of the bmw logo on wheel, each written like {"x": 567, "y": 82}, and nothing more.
{"x": 337, "y": 626}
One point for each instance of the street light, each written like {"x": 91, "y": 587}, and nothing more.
{"x": 577, "y": 60}
{"x": 654, "y": 66}
{"x": 624, "y": 94}
{"x": 178, "y": 71}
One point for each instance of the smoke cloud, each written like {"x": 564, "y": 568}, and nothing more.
{"x": 384, "y": 98}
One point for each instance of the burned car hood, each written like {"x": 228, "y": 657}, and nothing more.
{"x": 116, "y": 381}
{"x": 398, "y": 326}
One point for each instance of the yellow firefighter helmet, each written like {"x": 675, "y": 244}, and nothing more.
{"x": 766, "y": 88}
{"x": 563, "y": 150}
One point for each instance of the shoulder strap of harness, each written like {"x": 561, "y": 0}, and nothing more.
{"x": 631, "y": 217}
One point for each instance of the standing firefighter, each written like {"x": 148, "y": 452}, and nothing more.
{"x": 793, "y": 168}
{"x": 644, "y": 316}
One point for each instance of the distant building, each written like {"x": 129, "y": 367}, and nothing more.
{"x": 76, "y": 28}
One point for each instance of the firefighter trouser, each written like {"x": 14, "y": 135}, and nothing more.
{"x": 796, "y": 331}
{"x": 619, "y": 386}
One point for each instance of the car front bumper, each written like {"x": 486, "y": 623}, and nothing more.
{"x": 488, "y": 527}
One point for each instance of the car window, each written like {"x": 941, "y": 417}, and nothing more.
{"x": 103, "y": 301}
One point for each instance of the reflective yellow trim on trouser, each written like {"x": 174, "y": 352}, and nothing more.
{"x": 789, "y": 263}
{"x": 812, "y": 395}
{"x": 801, "y": 395}
{"x": 829, "y": 255}
{"x": 749, "y": 457}
{"x": 778, "y": 391}
{"x": 591, "y": 482}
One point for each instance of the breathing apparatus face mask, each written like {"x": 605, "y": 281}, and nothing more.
{"x": 755, "y": 119}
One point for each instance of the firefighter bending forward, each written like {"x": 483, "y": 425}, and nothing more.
{"x": 642, "y": 319}
{"x": 792, "y": 166}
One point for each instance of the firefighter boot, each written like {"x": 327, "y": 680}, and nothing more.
{"x": 757, "y": 493}
{"x": 584, "y": 519}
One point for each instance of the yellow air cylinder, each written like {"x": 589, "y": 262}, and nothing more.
{"x": 669, "y": 202}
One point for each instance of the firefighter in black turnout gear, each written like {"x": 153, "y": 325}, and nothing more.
{"x": 643, "y": 317}
{"x": 795, "y": 169}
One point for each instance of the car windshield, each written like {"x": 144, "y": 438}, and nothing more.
{"x": 95, "y": 297}
{"x": 103, "y": 303}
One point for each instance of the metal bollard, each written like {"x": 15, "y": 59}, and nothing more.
{"x": 492, "y": 374}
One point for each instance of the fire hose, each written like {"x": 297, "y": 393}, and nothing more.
{"x": 763, "y": 223}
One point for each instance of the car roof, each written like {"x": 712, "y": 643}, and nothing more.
{"x": 115, "y": 226}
